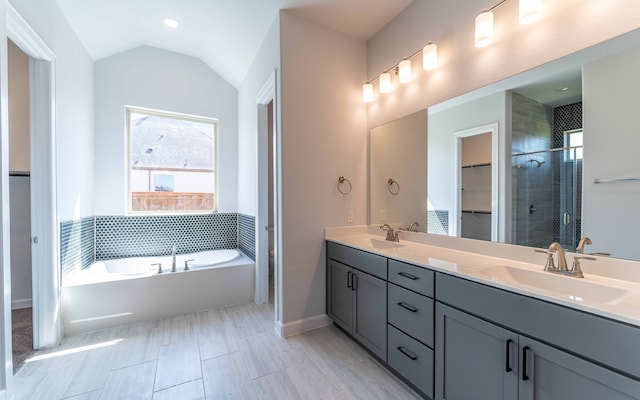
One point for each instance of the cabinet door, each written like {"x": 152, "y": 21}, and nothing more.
{"x": 548, "y": 374}
{"x": 340, "y": 295}
{"x": 370, "y": 325}
{"x": 474, "y": 359}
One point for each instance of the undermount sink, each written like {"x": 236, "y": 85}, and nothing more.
{"x": 574, "y": 289}
{"x": 384, "y": 244}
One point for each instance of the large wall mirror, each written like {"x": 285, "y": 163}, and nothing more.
{"x": 549, "y": 155}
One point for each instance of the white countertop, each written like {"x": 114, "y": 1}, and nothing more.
{"x": 609, "y": 297}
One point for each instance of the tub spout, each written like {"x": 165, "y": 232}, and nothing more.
{"x": 173, "y": 259}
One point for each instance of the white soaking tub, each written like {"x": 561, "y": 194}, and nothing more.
{"x": 123, "y": 291}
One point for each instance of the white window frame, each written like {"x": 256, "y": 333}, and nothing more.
{"x": 161, "y": 113}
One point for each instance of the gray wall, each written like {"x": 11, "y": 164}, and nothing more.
{"x": 158, "y": 79}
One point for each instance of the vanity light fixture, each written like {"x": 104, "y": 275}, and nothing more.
{"x": 171, "y": 22}
{"x": 430, "y": 56}
{"x": 484, "y": 28}
{"x": 404, "y": 71}
{"x": 367, "y": 92}
{"x": 529, "y": 11}
{"x": 385, "y": 82}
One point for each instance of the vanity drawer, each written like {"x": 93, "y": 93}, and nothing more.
{"x": 366, "y": 262}
{"x": 411, "y": 277}
{"x": 411, "y": 359}
{"x": 411, "y": 313}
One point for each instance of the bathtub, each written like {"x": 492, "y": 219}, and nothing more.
{"x": 124, "y": 291}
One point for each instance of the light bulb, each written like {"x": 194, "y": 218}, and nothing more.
{"x": 385, "y": 82}
{"x": 171, "y": 22}
{"x": 430, "y": 56}
{"x": 367, "y": 92}
{"x": 529, "y": 11}
{"x": 484, "y": 29}
{"x": 404, "y": 74}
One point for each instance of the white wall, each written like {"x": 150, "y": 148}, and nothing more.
{"x": 267, "y": 60}
{"x": 398, "y": 150}
{"x": 566, "y": 26}
{"x": 158, "y": 79}
{"x": 440, "y": 156}
{"x": 610, "y": 107}
{"x": 324, "y": 136}
{"x": 74, "y": 107}
{"x": 18, "y": 109}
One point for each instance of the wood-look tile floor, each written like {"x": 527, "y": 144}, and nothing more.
{"x": 227, "y": 353}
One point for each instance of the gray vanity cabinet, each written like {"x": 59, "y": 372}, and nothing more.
{"x": 474, "y": 358}
{"x": 357, "y": 295}
{"x": 477, "y": 358}
{"x": 549, "y": 374}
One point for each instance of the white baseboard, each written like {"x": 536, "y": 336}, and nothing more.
{"x": 302, "y": 325}
{"x": 18, "y": 304}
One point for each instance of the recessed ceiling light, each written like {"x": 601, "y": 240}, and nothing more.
{"x": 562, "y": 89}
{"x": 171, "y": 22}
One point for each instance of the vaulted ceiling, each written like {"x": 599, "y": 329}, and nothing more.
{"x": 224, "y": 34}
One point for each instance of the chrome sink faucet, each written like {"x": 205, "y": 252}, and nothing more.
{"x": 412, "y": 226}
{"x": 391, "y": 235}
{"x": 173, "y": 259}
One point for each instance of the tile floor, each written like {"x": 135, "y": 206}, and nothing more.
{"x": 227, "y": 353}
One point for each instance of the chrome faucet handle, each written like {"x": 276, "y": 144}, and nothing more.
{"x": 159, "y": 267}
{"x": 575, "y": 268}
{"x": 186, "y": 264}
{"x": 549, "y": 266}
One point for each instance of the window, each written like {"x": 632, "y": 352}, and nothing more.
{"x": 171, "y": 162}
{"x": 573, "y": 138}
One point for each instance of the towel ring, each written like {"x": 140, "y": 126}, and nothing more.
{"x": 341, "y": 181}
{"x": 391, "y": 183}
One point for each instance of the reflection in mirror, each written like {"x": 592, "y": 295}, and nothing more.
{"x": 551, "y": 155}
{"x": 562, "y": 128}
{"x": 398, "y": 173}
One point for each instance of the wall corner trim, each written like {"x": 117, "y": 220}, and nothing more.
{"x": 302, "y": 325}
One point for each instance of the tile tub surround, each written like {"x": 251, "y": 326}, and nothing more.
{"x": 77, "y": 244}
{"x": 84, "y": 241}
{"x": 136, "y": 236}
{"x": 231, "y": 352}
{"x": 467, "y": 259}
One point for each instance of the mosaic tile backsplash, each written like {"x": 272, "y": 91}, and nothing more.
{"x": 77, "y": 244}
{"x": 134, "y": 236}
{"x": 106, "y": 237}
{"x": 247, "y": 235}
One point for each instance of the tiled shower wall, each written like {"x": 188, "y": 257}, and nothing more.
{"x": 531, "y": 177}
{"x": 105, "y": 237}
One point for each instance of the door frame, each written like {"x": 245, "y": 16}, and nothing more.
{"x": 47, "y": 331}
{"x": 266, "y": 95}
{"x": 455, "y": 220}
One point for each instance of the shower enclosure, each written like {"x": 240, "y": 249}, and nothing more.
{"x": 547, "y": 194}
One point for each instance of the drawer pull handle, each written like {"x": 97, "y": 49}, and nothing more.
{"x": 508, "y": 356}
{"x": 354, "y": 281}
{"x": 525, "y": 350}
{"x": 408, "y": 276}
{"x": 407, "y": 353}
{"x": 349, "y": 273}
{"x": 407, "y": 307}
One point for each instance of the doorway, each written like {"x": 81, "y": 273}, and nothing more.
{"x": 476, "y": 183}
{"x": 20, "y": 205}
{"x": 268, "y": 239}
